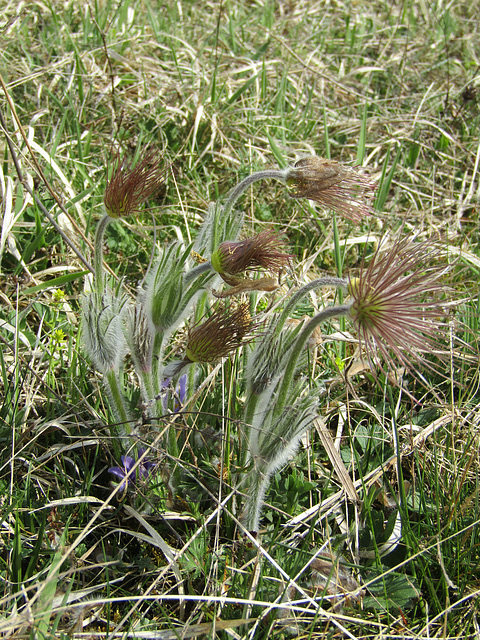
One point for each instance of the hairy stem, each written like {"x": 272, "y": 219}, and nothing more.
{"x": 234, "y": 194}
{"x": 98, "y": 254}
{"x": 114, "y": 389}
{"x": 258, "y": 484}
{"x": 299, "y": 345}
{"x": 196, "y": 272}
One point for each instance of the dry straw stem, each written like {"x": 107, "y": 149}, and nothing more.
{"x": 335, "y": 501}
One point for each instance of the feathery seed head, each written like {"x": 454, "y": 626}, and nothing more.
{"x": 341, "y": 188}
{"x": 396, "y": 305}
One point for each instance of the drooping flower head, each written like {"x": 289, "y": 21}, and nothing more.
{"x": 335, "y": 186}
{"x": 130, "y": 186}
{"x": 259, "y": 252}
{"x": 218, "y": 336}
{"x": 397, "y": 306}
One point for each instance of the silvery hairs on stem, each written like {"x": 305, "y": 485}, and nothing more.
{"x": 397, "y": 307}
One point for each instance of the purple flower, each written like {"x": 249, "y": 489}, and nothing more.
{"x": 179, "y": 393}
{"x": 146, "y": 465}
{"x": 121, "y": 472}
{"x": 141, "y": 472}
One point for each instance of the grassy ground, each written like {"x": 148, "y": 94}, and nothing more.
{"x": 223, "y": 89}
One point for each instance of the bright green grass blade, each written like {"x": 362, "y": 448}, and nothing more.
{"x": 45, "y": 600}
{"x": 276, "y": 151}
{"x": 56, "y": 282}
{"x": 386, "y": 179}
{"x": 363, "y": 135}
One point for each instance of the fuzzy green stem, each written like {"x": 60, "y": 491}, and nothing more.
{"x": 326, "y": 281}
{"x": 300, "y": 343}
{"x": 258, "y": 484}
{"x": 196, "y": 272}
{"x": 146, "y": 382}
{"x": 157, "y": 361}
{"x": 234, "y": 194}
{"x": 113, "y": 384}
{"x": 98, "y": 254}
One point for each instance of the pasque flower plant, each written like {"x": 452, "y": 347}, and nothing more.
{"x": 386, "y": 302}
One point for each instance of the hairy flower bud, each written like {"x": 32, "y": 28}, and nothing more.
{"x": 258, "y": 252}
{"x": 333, "y": 185}
{"x": 102, "y": 331}
{"x": 129, "y": 187}
{"x": 218, "y": 336}
{"x": 140, "y": 338}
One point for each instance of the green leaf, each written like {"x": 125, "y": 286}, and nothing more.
{"x": 391, "y": 592}
{"x": 48, "y": 589}
{"x": 55, "y": 282}
{"x": 276, "y": 151}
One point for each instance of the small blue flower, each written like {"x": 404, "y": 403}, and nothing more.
{"x": 145, "y": 466}
{"x": 122, "y": 472}
{"x": 179, "y": 394}
{"x": 141, "y": 473}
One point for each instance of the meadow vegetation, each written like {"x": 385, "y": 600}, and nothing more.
{"x": 237, "y": 406}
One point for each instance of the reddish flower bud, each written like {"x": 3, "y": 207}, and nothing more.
{"x": 259, "y": 252}
{"x": 129, "y": 187}
{"x": 218, "y": 336}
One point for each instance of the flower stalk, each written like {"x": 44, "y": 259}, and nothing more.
{"x": 299, "y": 346}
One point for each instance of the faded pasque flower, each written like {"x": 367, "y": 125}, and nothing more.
{"x": 258, "y": 252}
{"x": 396, "y": 305}
{"x": 333, "y": 185}
{"x": 221, "y": 334}
{"x": 129, "y": 186}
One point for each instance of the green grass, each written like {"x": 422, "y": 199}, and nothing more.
{"x": 224, "y": 89}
